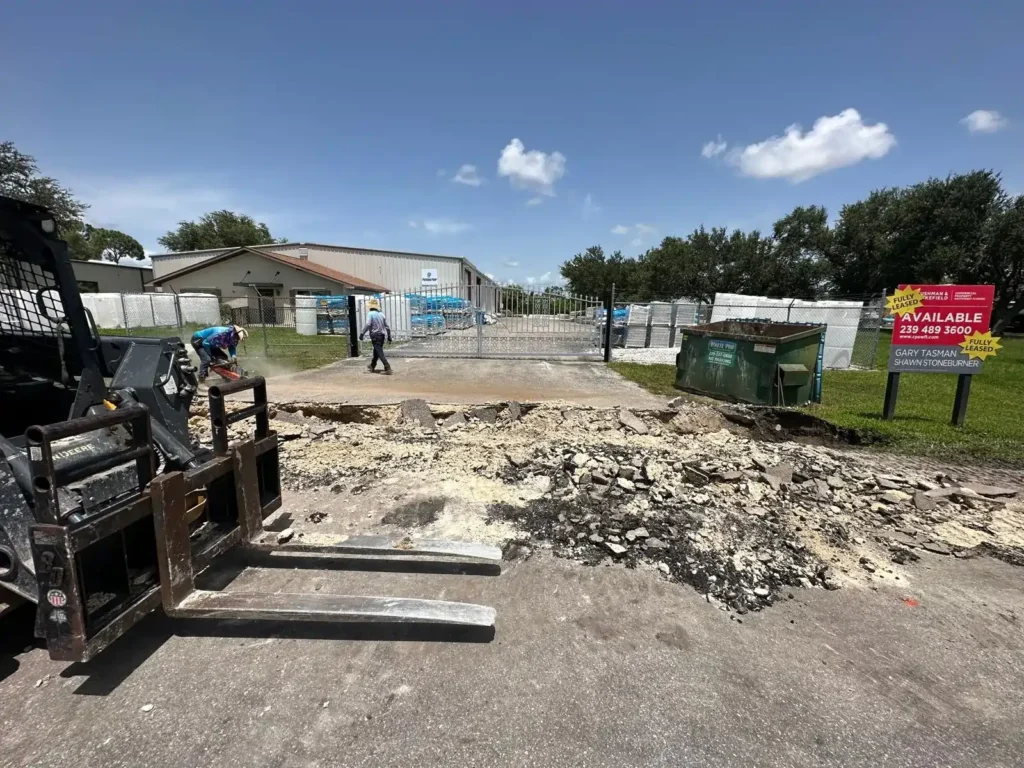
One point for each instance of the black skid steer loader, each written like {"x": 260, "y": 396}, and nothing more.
{"x": 108, "y": 510}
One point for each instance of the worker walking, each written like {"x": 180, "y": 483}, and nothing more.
{"x": 377, "y": 327}
{"x": 210, "y": 344}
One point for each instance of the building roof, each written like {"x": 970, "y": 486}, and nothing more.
{"x": 289, "y": 261}
{"x": 173, "y": 254}
{"x": 356, "y": 248}
{"x": 101, "y": 263}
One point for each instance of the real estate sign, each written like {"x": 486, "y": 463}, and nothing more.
{"x": 941, "y": 328}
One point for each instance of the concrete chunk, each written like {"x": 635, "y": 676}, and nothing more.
{"x": 486, "y": 415}
{"x": 632, "y": 422}
{"x": 418, "y": 412}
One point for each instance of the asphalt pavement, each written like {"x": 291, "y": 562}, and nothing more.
{"x": 589, "y": 666}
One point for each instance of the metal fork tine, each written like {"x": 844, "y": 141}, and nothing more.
{"x": 278, "y": 606}
{"x": 394, "y": 546}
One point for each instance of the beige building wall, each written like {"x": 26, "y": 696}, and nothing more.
{"x": 107, "y": 277}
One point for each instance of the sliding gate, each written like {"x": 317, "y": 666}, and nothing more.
{"x": 493, "y": 321}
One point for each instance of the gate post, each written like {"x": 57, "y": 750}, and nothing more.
{"x": 609, "y": 311}
{"x": 479, "y": 316}
{"x": 353, "y": 327}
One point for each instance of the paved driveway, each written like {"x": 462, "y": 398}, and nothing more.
{"x": 589, "y": 667}
{"x": 460, "y": 380}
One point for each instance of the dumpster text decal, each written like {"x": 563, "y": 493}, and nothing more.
{"x": 721, "y": 352}
{"x": 940, "y": 328}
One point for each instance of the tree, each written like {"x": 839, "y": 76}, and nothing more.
{"x": 217, "y": 229}
{"x": 918, "y": 234}
{"x": 20, "y": 179}
{"x": 1001, "y": 262}
{"x": 111, "y": 245}
{"x": 801, "y": 244}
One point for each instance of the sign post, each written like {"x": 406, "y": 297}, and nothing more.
{"x": 939, "y": 329}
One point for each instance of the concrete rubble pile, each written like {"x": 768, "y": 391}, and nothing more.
{"x": 688, "y": 492}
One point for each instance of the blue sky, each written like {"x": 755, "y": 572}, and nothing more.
{"x": 349, "y": 123}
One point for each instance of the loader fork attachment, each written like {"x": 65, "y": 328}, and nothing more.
{"x": 101, "y": 573}
{"x": 253, "y": 465}
{"x": 97, "y": 574}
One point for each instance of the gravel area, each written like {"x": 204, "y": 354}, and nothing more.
{"x": 650, "y": 356}
{"x": 689, "y": 491}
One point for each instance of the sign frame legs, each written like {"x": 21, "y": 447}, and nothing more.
{"x": 892, "y": 391}
{"x": 963, "y": 394}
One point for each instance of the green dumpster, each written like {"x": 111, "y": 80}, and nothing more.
{"x": 750, "y": 361}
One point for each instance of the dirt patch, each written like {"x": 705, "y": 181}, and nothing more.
{"x": 784, "y": 424}
{"x": 416, "y": 513}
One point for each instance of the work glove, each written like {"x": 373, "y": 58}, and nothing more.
{"x": 234, "y": 359}
{"x": 389, "y": 339}
{"x": 360, "y": 337}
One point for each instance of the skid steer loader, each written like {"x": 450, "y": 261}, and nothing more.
{"x": 108, "y": 510}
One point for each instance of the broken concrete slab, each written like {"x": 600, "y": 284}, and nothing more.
{"x": 924, "y": 502}
{"x": 486, "y": 415}
{"x": 513, "y": 411}
{"x": 895, "y": 497}
{"x": 632, "y": 422}
{"x": 696, "y": 476}
{"x": 456, "y": 420}
{"x": 937, "y": 547}
{"x": 418, "y": 412}
{"x": 991, "y": 491}
{"x": 783, "y": 472}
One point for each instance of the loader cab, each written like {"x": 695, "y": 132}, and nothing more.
{"x": 48, "y": 365}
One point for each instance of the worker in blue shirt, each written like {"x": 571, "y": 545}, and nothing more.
{"x": 210, "y": 344}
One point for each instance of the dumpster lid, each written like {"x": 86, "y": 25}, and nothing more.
{"x": 756, "y": 330}
{"x": 793, "y": 368}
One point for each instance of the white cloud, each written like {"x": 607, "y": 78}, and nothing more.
{"x": 641, "y": 231}
{"x": 511, "y": 263}
{"x": 468, "y": 175}
{"x": 714, "y": 148}
{"x": 590, "y": 208}
{"x": 439, "y": 226}
{"x": 985, "y": 121}
{"x": 541, "y": 280}
{"x": 489, "y": 275}
{"x": 441, "y": 173}
{"x": 835, "y": 141}
{"x": 535, "y": 201}
{"x": 636, "y": 241}
{"x": 533, "y": 169}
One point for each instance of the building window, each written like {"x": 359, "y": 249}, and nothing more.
{"x": 88, "y": 286}
{"x": 215, "y": 291}
{"x": 311, "y": 292}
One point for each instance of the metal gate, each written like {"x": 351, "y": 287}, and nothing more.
{"x": 492, "y": 321}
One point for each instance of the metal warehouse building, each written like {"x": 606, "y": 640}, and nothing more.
{"x": 394, "y": 271}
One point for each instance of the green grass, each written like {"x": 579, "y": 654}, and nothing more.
{"x": 925, "y": 405}
{"x": 659, "y": 379}
{"x": 854, "y": 399}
